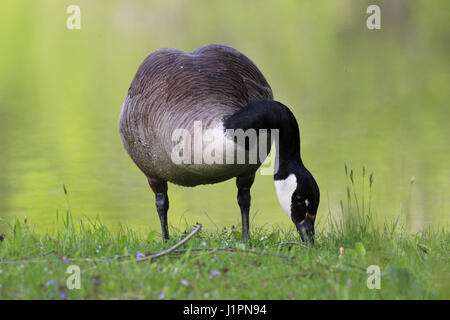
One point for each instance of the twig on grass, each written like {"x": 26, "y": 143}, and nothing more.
{"x": 22, "y": 259}
{"x": 231, "y": 249}
{"x": 173, "y": 248}
{"x": 37, "y": 255}
{"x": 294, "y": 242}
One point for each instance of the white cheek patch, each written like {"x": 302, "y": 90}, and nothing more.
{"x": 285, "y": 188}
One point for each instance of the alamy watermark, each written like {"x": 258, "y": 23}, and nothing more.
{"x": 374, "y": 20}
{"x": 74, "y": 20}
{"x": 374, "y": 280}
{"x": 74, "y": 280}
{"x": 219, "y": 146}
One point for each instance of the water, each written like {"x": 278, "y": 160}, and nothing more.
{"x": 377, "y": 99}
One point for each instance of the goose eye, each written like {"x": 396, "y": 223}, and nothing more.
{"x": 300, "y": 201}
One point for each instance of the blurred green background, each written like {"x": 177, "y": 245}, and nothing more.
{"x": 373, "y": 98}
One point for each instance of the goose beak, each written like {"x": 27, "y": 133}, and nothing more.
{"x": 306, "y": 229}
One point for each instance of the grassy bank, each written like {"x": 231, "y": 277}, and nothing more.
{"x": 274, "y": 264}
{"x": 34, "y": 266}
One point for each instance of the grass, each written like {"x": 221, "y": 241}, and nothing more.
{"x": 413, "y": 266}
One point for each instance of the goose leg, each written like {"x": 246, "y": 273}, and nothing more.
{"x": 243, "y": 197}
{"x": 159, "y": 187}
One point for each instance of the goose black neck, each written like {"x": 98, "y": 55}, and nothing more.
{"x": 269, "y": 114}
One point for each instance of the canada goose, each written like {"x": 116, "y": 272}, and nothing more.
{"x": 221, "y": 89}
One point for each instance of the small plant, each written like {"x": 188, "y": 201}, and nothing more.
{"x": 356, "y": 219}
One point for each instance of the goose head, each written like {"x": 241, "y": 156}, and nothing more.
{"x": 299, "y": 197}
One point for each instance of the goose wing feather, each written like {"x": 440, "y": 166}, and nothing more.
{"x": 172, "y": 89}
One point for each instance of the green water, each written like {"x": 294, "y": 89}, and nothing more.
{"x": 378, "y": 99}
